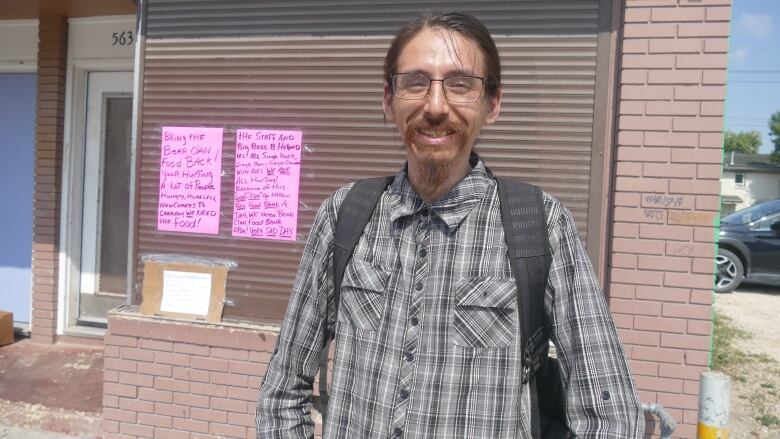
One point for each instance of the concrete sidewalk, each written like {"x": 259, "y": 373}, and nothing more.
{"x": 8, "y": 432}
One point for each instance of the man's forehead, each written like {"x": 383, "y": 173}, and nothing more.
{"x": 441, "y": 49}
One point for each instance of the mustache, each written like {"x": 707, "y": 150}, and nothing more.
{"x": 426, "y": 125}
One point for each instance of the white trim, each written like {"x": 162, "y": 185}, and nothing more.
{"x": 18, "y": 68}
{"x": 137, "y": 84}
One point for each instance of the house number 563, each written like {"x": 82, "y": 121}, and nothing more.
{"x": 122, "y": 38}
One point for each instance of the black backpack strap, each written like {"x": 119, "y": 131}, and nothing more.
{"x": 525, "y": 229}
{"x": 354, "y": 213}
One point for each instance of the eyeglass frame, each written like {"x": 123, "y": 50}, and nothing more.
{"x": 430, "y": 83}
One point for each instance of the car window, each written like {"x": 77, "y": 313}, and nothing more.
{"x": 751, "y": 214}
{"x": 765, "y": 223}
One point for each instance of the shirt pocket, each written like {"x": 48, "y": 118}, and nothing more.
{"x": 484, "y": 312}
{"x": 363, "y": 296}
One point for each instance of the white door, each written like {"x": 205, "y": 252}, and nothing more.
{"x": 105, "y": 196}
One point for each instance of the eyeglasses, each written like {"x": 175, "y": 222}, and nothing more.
{"x": 416, "y": 86}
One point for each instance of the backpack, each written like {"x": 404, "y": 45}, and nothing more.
{"x": 525, "y": 229}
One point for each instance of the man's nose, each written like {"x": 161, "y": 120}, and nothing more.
{"x": 436, "y": 104}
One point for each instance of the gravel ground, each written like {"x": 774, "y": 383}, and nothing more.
{"x": 7, "y": 432}
{"x": 755, "y": 309}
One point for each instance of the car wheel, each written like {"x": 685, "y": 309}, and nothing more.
{"x": 730, "y": 271}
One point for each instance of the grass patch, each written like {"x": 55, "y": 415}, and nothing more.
{"x": 768, "y": 420}
{"x": 725, "y": 355}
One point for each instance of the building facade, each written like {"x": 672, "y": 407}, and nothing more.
{"x": 748, "y": 179}
{"x": 614, "y": 107}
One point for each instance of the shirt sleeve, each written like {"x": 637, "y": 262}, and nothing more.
{"x": 601, "y": 400}
{"x": 285, "y": 400}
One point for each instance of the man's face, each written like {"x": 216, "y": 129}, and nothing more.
{"x": 435, "y": 130}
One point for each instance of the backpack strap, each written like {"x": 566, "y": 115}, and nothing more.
{"x": 525, "y": 230}
{"x": 354, "y": 213}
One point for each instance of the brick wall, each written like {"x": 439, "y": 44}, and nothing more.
{"x": 50, "y": 107}
{"x": 672, "y": 87}
{"x": 172, "y": 379}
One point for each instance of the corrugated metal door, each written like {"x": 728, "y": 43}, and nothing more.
{"x": 302, "y": 65}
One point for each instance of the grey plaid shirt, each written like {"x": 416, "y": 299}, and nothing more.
{"x": 427, "y": 341}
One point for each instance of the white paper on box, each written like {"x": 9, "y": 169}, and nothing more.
{"x": 186, "y": 293}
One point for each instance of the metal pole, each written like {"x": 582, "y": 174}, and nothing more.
{"x": 714, "y": 400}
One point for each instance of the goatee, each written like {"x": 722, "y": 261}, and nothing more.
{"x": 433, "y": 160}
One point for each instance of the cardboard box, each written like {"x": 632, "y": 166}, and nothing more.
{"x": 191, "y": 287}
{"x": 6, "y": 328}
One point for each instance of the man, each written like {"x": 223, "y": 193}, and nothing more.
{"x": 427, "y": 341}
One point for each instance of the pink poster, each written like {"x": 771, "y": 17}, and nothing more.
{"x": 268, "y": 170}
{"x": 190, "y": 171}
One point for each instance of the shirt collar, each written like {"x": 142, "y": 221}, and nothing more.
{"x": 453, "y": 208}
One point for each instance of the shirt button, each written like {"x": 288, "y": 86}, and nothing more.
{"x": 409, "y": 356}
{"x": 423, "y": 253}
{"x": 414, "y": 321}
{"x": 419, "y": 286}
{"x": 398, "y": 432}
{"x": 403, "y": 393}
{"x": 605, "y": 395}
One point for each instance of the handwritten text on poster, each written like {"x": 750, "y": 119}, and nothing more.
{"x": 268, "y": 168}
{"x": 190, "y": 171}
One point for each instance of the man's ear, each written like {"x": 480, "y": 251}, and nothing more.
{"x": 387, "y": 104}
{"x": 494, "y": 107}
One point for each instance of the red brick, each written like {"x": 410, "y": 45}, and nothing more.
{"x": 698, "y": 187}
{"x": 677, "y": 400}
{"x": 191, "y": 400}
{"x": 135, "y": 430}
{"x": 119, "y": 390}
{"x": 718, "y": 13}
{"x": 697, "y": 358}
{"x": 120, "y": 365}
{"x": 632, "y": 138}
{"x": 625, "y": 214}
{"x": 638, "y": 246}
{"x": 687, "y": 280}
{"x": 110, "y": 426}
{"x": 699, "y": 312}
{"x": 209, "y": 364}
{"x": 648, "y": 92}
{"x": 714, "y": 77}
{"x": 669, "y": 170}
{"x": 676, "y": 45}
{"x": 673, "y": 140}
{"x": 664, "y": 263}
{"x": 635, "y": 307}
{"x": 230, "y": 354}
{"x": 699, "y": 93}
{"x": 677, "y": 15}
{"x": 157, "y": 345}
{"x": 645, "y": 123}
{"x": 183, "y": 373}
{"x": 646, "y": 338}
{"x": 244, "y": 419}
{"x": 259, "y": 357}
{"x": 118, "y": 415}
{"x": 633, "y": 76}
{"x": 690, "y": 249}
{"x": 649, "y": 30}
{"x": 155, "y": 420}
{"x": 209, "y": 415}
{"x": 705, "y": 234}
{"x": 715, "y": 29}
{"x": 700, "y": 327}
{"x": 634, "y": 15}
{"x": 228, "y": 430}
{"x": 137, "y": 354}
{"x": 659, "y": 324}
{"x": 122, "y": 326}
{"x": 659, "y": 355}
{"x": 697, "y": 124}
{"x": 632, "y": 107}
{"x": 155, "y": 395}
{"x": 109, "y": 351}
{"x": 191, "y": 425}
{"x": 172, "y": 359}
{"x": 136, "y": 380}
{"x": 675, "y": 233}
{"x": 621, "y": 260}
{"x": 161, "y": 433}
{"x": 698, "y": 156}
{"x": 111, "y": 401}
{"x": 708, "y": 203}
{"x": 229, "y": 379}
{"x": 155, "y": 369}
{"x": 681, "y": 108}
{"x": 621, "y": 291}
{"x": 208, "y": 389}
{"x": 659, "y": 384}
{"x": 623, "y": 321}
{"x": 628, "y": 199}
{"x": 111, "y": 376}
{"x": 661, "y": 155}
{"x": 701, "y": 297}
{"x": 690, "y": 416}
{"x": 703, "y": 266}
{"x": 712, "y": 108}
{"x": 186, "y": 348}
{"x": 647, "y": 368}
{"x": 662, "y": 294}
{"x": 691, "y": 387}
{"x": 638, "y": 45}
{"x": 244, "y": 394}
{"x": 174, "y": 411}
{"x": 174, "y": 385}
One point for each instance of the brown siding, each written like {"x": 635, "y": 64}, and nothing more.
{"x": 331, "y": 88}
{"x": 52, "y": 59}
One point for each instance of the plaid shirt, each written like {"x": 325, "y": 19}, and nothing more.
{"x": 427, "y": 341}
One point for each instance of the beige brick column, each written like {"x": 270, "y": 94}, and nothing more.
{"x": 672, "y": 87}
{"x": 50, "y": 107}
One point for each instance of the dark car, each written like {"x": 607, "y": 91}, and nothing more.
{"x": 749, "y": 247}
